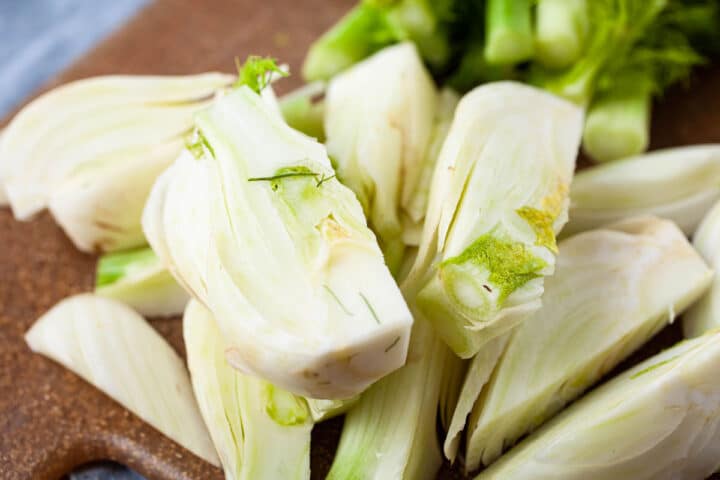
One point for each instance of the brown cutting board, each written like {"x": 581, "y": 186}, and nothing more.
{"x": 51, "y": 420}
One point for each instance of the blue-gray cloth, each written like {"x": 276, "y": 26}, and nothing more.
{"x": 105, "y": 471}
{"x": 38, "y": 39}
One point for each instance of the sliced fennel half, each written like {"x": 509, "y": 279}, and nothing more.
{"x": 260, "y": 431}
{"x": 139, "y": 279}
{"x": 116, "y": 350}
{"x": 705, "y": 314}
{"x": 658, "y": 420}
{"x": 612, "y": 290}
{"x": 378, "y": 120}
{"x": 680, "y": 184}
{"x": 498, "y": 198}
{"x": 256, "y": 226}
{"x": 91, "y": 150}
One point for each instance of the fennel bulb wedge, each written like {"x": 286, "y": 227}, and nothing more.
{"x": 705, "y": 314}
{"x": 498, "y": 199}
{"x": 253, "y": 222}
{"x": 116, "y": 350}
{"x": 378, "y": 120}
{"x": 259, "y": 431}
{"x": 680, "y": 184}
{"x": 659, "y": 420}
{"x": 613, "y": 289}
{"x": 91, "y": 150}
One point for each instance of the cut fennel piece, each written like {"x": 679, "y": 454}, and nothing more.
{"x": 391, "y": 431}
{"x": 260, "y": 431}
{"x": 478, "y": 373}
{"x": 498, "y": 199}
{"x": 114, "y": 349}
{"x": 704, "y": 315}
{"x": 139, "y": 279}
{"x": 612, "y": 290}
{"x": 452, "y": 381}
{"x": 657, "y": 421}
{"x": 91, "y": 150}
{"x": 255, "y": 225}
{"x": 680, "y": 184}
{"x": 379, "y": 120}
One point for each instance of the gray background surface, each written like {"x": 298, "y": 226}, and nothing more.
{"x": 38, "y": 39}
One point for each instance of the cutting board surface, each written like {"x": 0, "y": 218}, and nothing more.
{"x": 50, "y": 419}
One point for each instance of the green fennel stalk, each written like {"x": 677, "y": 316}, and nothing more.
{"x": 509, "y": 37}
{"x": 560, "y": 30}
{"x": 374, "y": 24}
